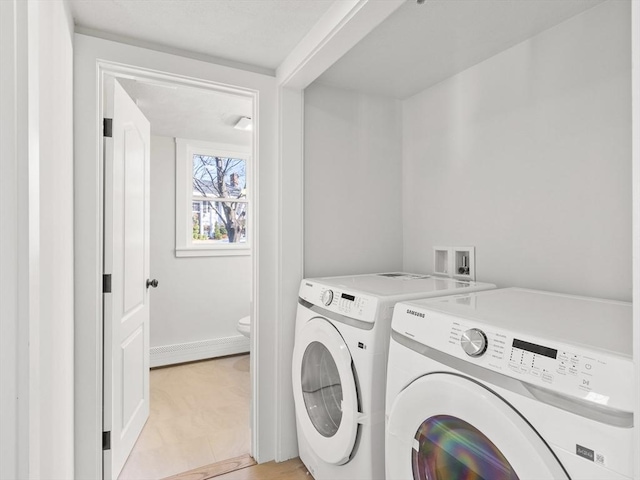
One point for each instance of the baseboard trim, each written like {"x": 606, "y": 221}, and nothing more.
{"x": 192, "y": 351}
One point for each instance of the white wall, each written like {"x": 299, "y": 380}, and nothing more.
{"x": 198, "y": 298}
{"x": 353, "y": 182}
{"x": 527, "y": 156}
{"x": 36, "y": 284}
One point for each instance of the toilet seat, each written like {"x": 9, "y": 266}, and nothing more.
{"x": 244, "y": 326}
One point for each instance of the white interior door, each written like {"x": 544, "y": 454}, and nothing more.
{"x": 126, "y": 260}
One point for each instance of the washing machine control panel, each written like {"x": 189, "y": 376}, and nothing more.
{"x": 569, "y": 369}
{"x": 341, "y": 301}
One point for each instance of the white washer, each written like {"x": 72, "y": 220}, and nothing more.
{"x": 339, "y": 364}
{"x": 510, "y": 384}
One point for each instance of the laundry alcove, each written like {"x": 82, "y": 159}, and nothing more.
{"x": 501, "y": 125}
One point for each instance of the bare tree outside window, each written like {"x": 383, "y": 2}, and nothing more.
{"x": 219, "y": 199}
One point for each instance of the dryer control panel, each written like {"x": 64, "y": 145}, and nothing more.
{"x": 350, "y": 304}
{"x": 595, "y": 376}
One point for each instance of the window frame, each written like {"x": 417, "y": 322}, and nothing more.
{"x": 185, "y": 150}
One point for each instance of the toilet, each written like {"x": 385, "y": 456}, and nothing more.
{"x": 244, "y": 326}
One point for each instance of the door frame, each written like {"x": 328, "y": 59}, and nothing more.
{"x": 95, "y": 58}
{"x": 117, "y": 71}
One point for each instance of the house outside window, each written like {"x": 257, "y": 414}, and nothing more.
{"x": 213, "y": 201}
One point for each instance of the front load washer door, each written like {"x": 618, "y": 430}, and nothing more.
{"x": 445, "y": 426}
{"x": 324, "y": 390}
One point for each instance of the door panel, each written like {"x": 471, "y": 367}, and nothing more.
{"x": 126, "y": 258}
{"x": 133, "y": 376}
{"x": 134, "y": 217}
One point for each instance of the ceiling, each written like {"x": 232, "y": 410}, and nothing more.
{"x": 190, "y": 112}
{"x": 421, "y": 45}
{"x": 252, "y": 32}
{"x": 416, "y": 47}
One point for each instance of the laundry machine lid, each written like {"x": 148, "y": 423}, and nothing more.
{"x": 400, "y": 285}
{"x": 445, "y": 426}
{"x": 325, "y": 393}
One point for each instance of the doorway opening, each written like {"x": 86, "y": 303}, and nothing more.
{"x": 202, "y": 216}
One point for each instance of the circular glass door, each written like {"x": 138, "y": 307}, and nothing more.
{"x": 321, "y": 389}
{"x": 446, "y": 426}
{"x": 324, "y": 391}
{"x": 448, "y": 447}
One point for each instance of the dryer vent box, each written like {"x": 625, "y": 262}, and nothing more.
{"x": 441, "y": 258}
{"x": 455, "y": 262}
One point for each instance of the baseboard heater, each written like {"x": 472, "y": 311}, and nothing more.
{"x": 203, "y": 349}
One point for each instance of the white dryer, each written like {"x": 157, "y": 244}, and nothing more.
{"x": 510, "y": 384}
{"x": 339, "y": 364}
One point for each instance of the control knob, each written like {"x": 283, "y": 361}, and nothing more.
{"x": 474, "y": 342}
{"x": 327, "y": 297}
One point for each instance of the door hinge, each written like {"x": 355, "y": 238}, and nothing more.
{"x": 106, "y": 440}
{"x": 106, "y": 283}
{"x": 107, "y": 127}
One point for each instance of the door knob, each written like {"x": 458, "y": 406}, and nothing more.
{"x": 152, "y": 283}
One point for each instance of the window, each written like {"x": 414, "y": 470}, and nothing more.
{"x": 213, "y": 204}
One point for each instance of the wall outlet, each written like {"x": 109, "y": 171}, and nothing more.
{"x": 464, "y": 263}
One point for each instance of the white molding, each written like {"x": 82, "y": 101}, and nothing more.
{"x": 635, "y": 176}
{"x": 200, "y": 350}
{"x": 338, "y": 30}
{"x": 17, "y": 301}
{"x": 136, "y": 42}
{"x": 290, "y": 271}
{"x": 31, "y": 196}
{"x": 205, "y": 251}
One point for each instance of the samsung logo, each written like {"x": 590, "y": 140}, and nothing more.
{"x": 414, "y": 313}
{"x": 585, "y": 452}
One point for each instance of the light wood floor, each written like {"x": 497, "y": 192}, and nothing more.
{"x": 290, "y": 470}
{"x": 199, "y": 416}
{"x": 245, "y": 468}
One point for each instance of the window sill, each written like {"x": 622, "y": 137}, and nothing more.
{"x": 212, "y": 252}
